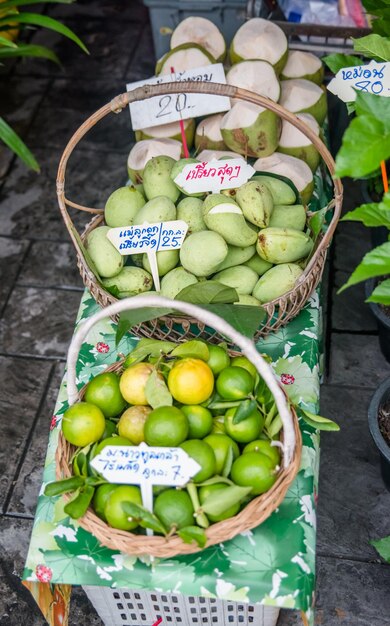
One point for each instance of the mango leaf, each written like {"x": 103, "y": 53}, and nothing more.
{"x": 46, "y": 22}
{"x": 378, "y": 106}
{"x": 374, "y": 263}
{"x": 373, "y": 46}
{"x": 318, "y": 422}
{"x": 78, "y": 506}
{"x": 245, "y": 319}
{"x": 338, "y": 61}
{"x": 245, "y": 408}
{"x": 372, "y": 214}
{"x": 219, "y": 501}
{"x": 13, "y": 141}
{"x": 128, "y": 319}
{"x": 317, "y": 221}
{"x": 383, "y": 547}
{"x": 208, "y": 292}
{"x": 193, "y": 533}
{"x": 156, "y": 391}
{"x": 145, "y": 518}
{"x": 366, "y": 143}
{"x": 148, "y": 348}
{"x": 381, "y": 293}
{"x": 193, "y": 348}
{"x": 29, "y": 50}
{"x": 65, "y": 485}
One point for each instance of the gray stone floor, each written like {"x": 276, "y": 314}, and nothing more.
{"x": 40, "y": 290}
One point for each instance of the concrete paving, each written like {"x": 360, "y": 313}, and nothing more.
{"x": 40, "y": 290}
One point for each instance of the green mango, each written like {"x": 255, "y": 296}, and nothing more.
{"x": 122, "y": 206}
{"x": 173, "y": 282}
{"x": 177, "y": 169}
{"x": 288, "y": 216}
{"x": 225, "y": 217}
{"x": 255, "y": 200}
{"x": 190, "y": 210}
{"x": 276, "y": 282}
{"x": 166, "y": 261}
{"x": 237, "y": 256}
{"x": 281, "y": 191}
{"x": 247, "y": 300}
{"x": 202, "y": 252}
{"x": 241, "y": 278}
{"x": 131, "y": 279}
{"x": 105, "y": 256}
{"x": 159, "y": 209}
{"x": 283, "y": 245}
{"x": 258, "y": 264}
{"x": 157, "y": 179}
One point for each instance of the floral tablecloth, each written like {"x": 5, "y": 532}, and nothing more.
{"x": 273, "y": 564}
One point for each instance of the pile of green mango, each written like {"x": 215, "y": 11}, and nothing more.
{"x": 253, "y": 238}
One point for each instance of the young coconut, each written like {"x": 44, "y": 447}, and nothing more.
{"x": 303, "y": 65}
{"x": 210, "y": 155}
{"x": 208, "y": 133}
{"x": 203, "y": 32}
{"x": 293, "y": 142}
{"x": 302, "y": 96}
{"x": 260, "y": 39}
{"x": 169, "y": 131}
{"x": 184, "y": 57}
{"x": 144, "y": 150}
{"x": 259, "y": 136}
{"x": 289, "y": 167}
{"x": 255, "y": 75}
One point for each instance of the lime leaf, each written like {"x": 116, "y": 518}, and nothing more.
{"x": 245, "y": 408}
{"x": 381, "y": 293}
{"x": 148, "y": 348}
{"x": 338, "y": 61}
{"x": 156, "y": 391}
{"x": 228, "y": 462}
{"x": 208, "y": 292}
{"x": 224, "y": 405}
{"x": 128, "y": 319}
{"x": 373, "y": 46}
{"x": 78, "y": 506}
{"x": 275, "y": 427}
{"x": 318, "y": 422}
{"x": 63, "y": 486}
{"x": 80, "y": 464}
{"x": 366, "y": 143}
{"x": 219, "y": 501}
{"x": 145, "y": 518}
{"x": 372, "y": 214}
{"x": 194, "y": 348}
{"x": 317, "y": 221}
{"x": 374, "y": 263}
{"x": 193, "y": 533}
{"x": 383, "y": 547}
{"x": 216, "y": 480}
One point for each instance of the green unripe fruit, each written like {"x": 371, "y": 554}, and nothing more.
{"x": 255, "y": 200}
{"x": 176, "y": 280}
{"x": 277, "y": 281}
{"x": 283, "y": 245}
{"x": 241, "y": 278}
{"x": 105, "y": 256}
{"x": 202, "y": 252}
{"x": 258, "y": 264}
{"x": 157, "y": 178}
{"x": 159, "y": 209}
{"x": 225, "y": 217}
{"x": 285, "y": 216}
{"x": 237, "y": 256}
{"x": 131, "y": 280}
{"x": 166, "y": 261}
{"x": 190, "y": 210}
{"x": 122, "y": 206}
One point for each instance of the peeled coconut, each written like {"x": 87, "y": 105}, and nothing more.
{"x": 303, "y": 65}
{"x": 251, "y": 130}
{"x": 210, "y": 155}
{"x": 184, "y": 57}
{"x": 292, "y": 141}
{"x": 144, "y": 150}
{"x": 257, "y": 76}
{"x": 260, "y": 39}
{"x": 203, "y": 32}
{"x": 290, "y": 167}
{"x": 302, "y": 96}
{"x": 208, "y": 133}
{"x": 168, "y": 131}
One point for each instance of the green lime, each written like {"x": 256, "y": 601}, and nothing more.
{"x": 100, "y": 498}
{"x": 234, "y": 383}
{"x": 112, "y": 441}
{"x": 263, "y": 446}
{"x": 115, "y": 515}
{"x": 200, "y": 420}
{"x": 208, "y": 490}
{"x": 246, "y": 364}
{"x": 247, "y": 430}
{"x": 218, "y": 359}
{"x": 104, "y": 392}
{"x": 83, "y": 423}
{"x": 174, "y": 509}
{"x": 132, "y": 423}
{"x": 254, "y": 469}
{"x": 203, "y": 454}
{"x": 166, "y": 426}
{"x": 221, "y": 445}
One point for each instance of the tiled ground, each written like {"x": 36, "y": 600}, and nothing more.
{"x": 40, "y": 291}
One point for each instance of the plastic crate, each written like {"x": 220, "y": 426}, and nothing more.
{"x": 124, "y": 607}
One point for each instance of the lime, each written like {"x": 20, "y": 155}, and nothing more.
{"x": 234, "y": 383}
{"x": 115, "y": 515}
{"x": 132, "y": 422}
{"x": 208, "y": 490}
{"x": 100, "y": 498}
{"x": 82, "y": 424}
{"x": 166, "y": 426}
{"x": 109, "y": 429}
{"x": 132, "y": 383}
{"x": 104, "y": 392}
{"x": 203, "y": 454}
{"x": 260, "y": 445}
{"x": 246, "y": 364}
{"x": 246, "y": 430}
{"x": 218, "y": 359}
{"x": 191, "y": 381}
{"x": 200, "y": 420}
{"x": 174, "y": 509}
{"x": 221, "y": 445}
{"x": 254, "y": 469}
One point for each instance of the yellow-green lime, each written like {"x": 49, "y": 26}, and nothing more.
{"x": 191, "y": 381}
{"x": 234, "y": 383}
{"x": 209, "y": 490}
{"x": 254, "y": 469}
{"x": 100, "y": 498}
{"x": 248, "y": 429}
{"x": 174, "y": 509}
{"x": 264, "y": 446}
{"x": 104, "y": 392}
{"x": 218, "y": 359}
{"x": 166, "y": 426}
{"x": 221, "y": 445}
{"x": 83, "y": 423}
{"x": 132, "y": 383}
{"x": 203, "y": 454}
{"x": 113, "y": 511}
{"x": 200, "y": 420}
{"x": 132, "y": 423}
{"x": 242, "y": 361}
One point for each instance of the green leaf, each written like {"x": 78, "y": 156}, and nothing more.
{"x": 80, "y": 464}
{"x": 216, "y": 480}
{"x": 13, "y": 141}
{"x": 219, "y": 501}
{"x": 7, "y": 43}
{"x": 156, "y": 391}
{"x": 383, "y": 547}
{"x": 193, "y": 533}
{"x": 376, "y": 7}
{"x": 224, "y": 405}
{"x": 374, "y": 263}
{"x": 65, "y": 485}
{"x": 317, "y": 221}
{"x": 244, "y": 409}
{"x": 372, "y": 214}
{"x": 46, "y": 22}
{"x": 365, "y": 144}
{"x": 148, "y": 348}
{"x": 194, "y": 348}
{"x": 318, "y": 422}
{"x": 29, "y": 50}
{"x": 350, "y": 107}
{"x": 78, "y": 506}
{"x": 373, "y": 46}
{"x": 245, "y": 319}
{"x": 86, "y": 255}
{"x": 208, "y": 292}
{"x": 381, "y": 26}
{"x": 128, "y": 319}
{"x": 381, "y": 293}
{"x": 377, "y": 106}
{"x": 227, "y": 466}
{"x": 275, "y": 427}
{"x": 145, "y": 518}
{"x": 338, "y": 61}
{"x": 9, "y": 4}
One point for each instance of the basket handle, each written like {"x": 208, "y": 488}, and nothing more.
{"x": 247, "y": 347}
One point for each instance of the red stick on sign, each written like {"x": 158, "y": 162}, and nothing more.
{"x": 183, "y": 139}
{"x": 158, "y": 621}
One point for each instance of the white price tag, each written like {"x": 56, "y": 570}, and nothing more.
{"x": 148, "y": 237}
{"x": 371, "y": 78}
{"x": 174, "y": 107}
{"x": 214, "y": 175}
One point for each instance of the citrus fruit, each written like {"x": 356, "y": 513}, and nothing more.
{"x": 254, "y": 469}
{"x": 260, "y": 445}
{"x": 218, "y": 359}
{"x": 104, "y": 392}
{"x": 246, "y": 364}
{"x": 234, "y": 383}
{"x": 174, "y": 509}
{"x": 166, "y": 426}
{"x": 112, "y": 441}
{"x": 131, "y": 423}
{"x": 109, "y": 429}
{"x": 191, "y": 381}
{"x": 221, "y": 444}
{"x": 100, "y": 498}
{"x": 115, "y": 515}
{"x": 203, "y": 454}
{"x": 200, "y": 420}
{"x": 208, "y": 490}
{"x": 82, "y": 424}
{"x": 247, "y": 430}
{"x": 132, "y": 383}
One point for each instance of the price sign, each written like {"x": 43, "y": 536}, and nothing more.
{"x": 180, "y": 106}
{"x": 371, "y": 78}
{"x": 214, "y": 175}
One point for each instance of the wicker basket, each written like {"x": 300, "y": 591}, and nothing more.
{"x": 256, "y": 511}
{"x": 279, "y": 311}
